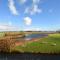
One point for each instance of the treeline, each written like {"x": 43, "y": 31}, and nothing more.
{"x": 58, "y": 31}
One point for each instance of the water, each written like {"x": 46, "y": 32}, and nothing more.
{"x": 31, "y": 36}
{"x": 35, "y": 36}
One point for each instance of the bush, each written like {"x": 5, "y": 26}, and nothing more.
{"x": 7, "y": 45}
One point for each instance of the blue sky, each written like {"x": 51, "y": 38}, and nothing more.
{"x": 29, "y": 15}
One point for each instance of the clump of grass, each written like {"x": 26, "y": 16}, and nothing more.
{"x": 53, "y": 44}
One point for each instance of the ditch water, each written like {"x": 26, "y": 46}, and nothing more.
{"x": 31, "y": 36}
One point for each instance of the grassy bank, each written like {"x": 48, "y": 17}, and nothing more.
{"x": 50, "y": 44}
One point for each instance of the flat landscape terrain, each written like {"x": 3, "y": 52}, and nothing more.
{"x": 47, "y": 44}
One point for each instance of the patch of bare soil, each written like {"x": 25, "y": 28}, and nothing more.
{"x": 19, "y": 43}
{"x": 27, "y": 41}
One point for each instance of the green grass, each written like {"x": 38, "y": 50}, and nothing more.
{"x": 2, "y": 34}
{"x": 44, "y": 45}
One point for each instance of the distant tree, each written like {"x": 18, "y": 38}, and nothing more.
{"x": 58, "y": 31}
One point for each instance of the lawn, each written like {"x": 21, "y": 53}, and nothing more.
{"x": 50, "y": 44}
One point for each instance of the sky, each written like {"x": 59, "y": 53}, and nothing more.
{"x": 18, "y": 15}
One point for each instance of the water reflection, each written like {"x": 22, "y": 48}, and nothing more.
{"x": 32, "y": 36}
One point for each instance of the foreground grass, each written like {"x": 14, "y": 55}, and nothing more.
{"x": 50, "y": 44}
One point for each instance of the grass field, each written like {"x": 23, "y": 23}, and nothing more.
{"x": 50, "y": 44}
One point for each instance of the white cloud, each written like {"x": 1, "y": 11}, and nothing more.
{"x": 33, "y": 29}
{"x": 8, "y": 27}
{"x": 22, "y": 1}
{"x": 27, "y": 20}
{"x": 37, "y": 29}
{"x": 33, "y": 10}
{"x": 12, "y": 7}
{"x": 2, "y": 27}
{"x": 36, "y": 1}
{"x": 5, "y": 28}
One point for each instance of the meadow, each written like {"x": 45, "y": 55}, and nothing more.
{"x": 49, "y": 44}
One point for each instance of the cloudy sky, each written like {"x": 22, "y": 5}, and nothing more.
{"x": 37, "y": 15}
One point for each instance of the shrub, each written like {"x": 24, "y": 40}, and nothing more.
{"x": 7, "y": 45}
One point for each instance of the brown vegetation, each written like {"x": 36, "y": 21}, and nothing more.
{"x": 6, "y": 45}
